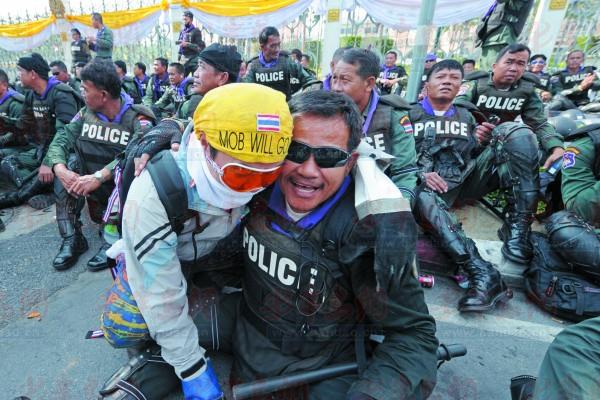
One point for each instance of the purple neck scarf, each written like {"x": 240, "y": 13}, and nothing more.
{"x": 7, "y": 94}
{"x": 371, "y": 112}
{"x": 429, "y": 109}
{"x": 264, "y": 63}
{"x": 181, "y": 87}
{"x": 386, "y": 71}
{"x": 186, "y": 29}
{"x": 126, "y": 103}
{"x": 140, "y": 85}
{"x": 327, "y": 83}
{"x": 51, "y": 83}
{"x": 277, "y": 204}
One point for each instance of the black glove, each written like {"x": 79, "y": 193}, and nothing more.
{"x": 160, "y": 137}
{"x": 393, "y": 237}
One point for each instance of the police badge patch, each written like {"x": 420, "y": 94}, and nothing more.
{"x": 568, "y": 160}
{"x": 405, "y": 123}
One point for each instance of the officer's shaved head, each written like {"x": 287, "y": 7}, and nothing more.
{"x": 263, "y": 37}
{"x": 445, "y": 64}
{"x": 330, "y": 104}
{"x": 366, "y": 61}
{"x": 103, "y": 76}
{"x": 569, "y": 54}
{"x": 512, "y": 49}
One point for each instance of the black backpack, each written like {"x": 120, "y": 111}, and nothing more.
{"x": 553, "y": 285}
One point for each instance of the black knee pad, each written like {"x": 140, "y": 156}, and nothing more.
{"x": 576, "y": 242}
{"x": 517, "y": 156}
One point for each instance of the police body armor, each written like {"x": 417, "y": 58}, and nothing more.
{"x": 544, "y": 83}
{"x": 77, "y": 53}
{"x": 507, "y": 105}
{"x": 569, "y": 81}
{"x": 100, "y": 142}
{"x": 44, "y": 113}
{"x": 454, "y": 145}
{"x": 394, "y": 73}
{"x": 295, "y": 292}
{"x": 503, "y": 15}
{"x": 161, "y": 88}
{"x": 277, "y": 77}
{"x": 6, "y": 123}
{"x": 180, "y": 98}
{"x": 380, "y": 128}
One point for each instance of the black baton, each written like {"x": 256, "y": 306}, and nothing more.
{"x": 275, "y": 384}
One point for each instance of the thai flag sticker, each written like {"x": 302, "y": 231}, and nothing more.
{"x": 267, "y": 122}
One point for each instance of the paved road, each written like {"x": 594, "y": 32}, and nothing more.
{"x": 50, "y": 359}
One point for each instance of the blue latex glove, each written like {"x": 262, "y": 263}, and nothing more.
{"x": 203, "y": 387}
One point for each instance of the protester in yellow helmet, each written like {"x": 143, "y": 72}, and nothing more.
{"x": 240, "y": 137}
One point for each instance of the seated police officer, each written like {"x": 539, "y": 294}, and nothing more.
{"x": 157, "y": 83}
{"x": 537, "y": 63}
{"x": 503, "y": 95}
{"x": 176, "y": 94}
{"x": 386, "y": 125}
{"x": 570, "y": 86}
{"x": 12, "y": 141}
{"x": 454, "y": 166}
{"x": 392, "y": 77}
{"x": 97, "y": 134}
{"x": 275, "y": 69}
{"x": 310, "y": 282}
{"x": 236, "y": 149}
{"x": 571, "y": 364}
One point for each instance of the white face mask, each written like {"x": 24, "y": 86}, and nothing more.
{"x": 211, "y": 190}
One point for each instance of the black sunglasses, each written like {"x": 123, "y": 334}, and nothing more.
{"x": 325, "y": 157}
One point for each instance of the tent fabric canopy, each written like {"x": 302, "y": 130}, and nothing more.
{"x": 238, "y": 19}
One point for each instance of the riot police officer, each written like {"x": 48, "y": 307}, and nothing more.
{"x": 99, "y": 131}
{"x": 392, "y": 77}
{"x": 570, "y": 86}
{"x": 59, "y": 70}
{"x": 453, "y": 166}
{"x": 501, "y": 26}
{"x": 386, "y": 123}
{"x": 80, "y": 51}
{"x": 49, "y": 105}
{"x": 158, "y": 82}
{"x": 505, "y": 94}
{"x": 571, "y": 364}
{"x": 275, "y": 69}
{"x": 308, "y": 270}
{"x": 190, "y": 44}
{"x": 176, "y": 93}
{"x": 537, "y": 63}
{"x": 12, "y": 141}
{"x": 128, "y": 84}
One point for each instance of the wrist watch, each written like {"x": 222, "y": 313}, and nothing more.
{"x": 98, "y": 175}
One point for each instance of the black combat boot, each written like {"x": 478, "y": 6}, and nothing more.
{"x": 515, "y": 230}
{"x": 9, "y": 199}
{"x": 2, "y": 227}
{"x": 74, "y": 244}
{"x": 100, "y": 260}
{"x": 486, "y": 286}
{"x": 10, "y": 168}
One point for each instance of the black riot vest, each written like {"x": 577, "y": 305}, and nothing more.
{"x": 277, "y": 77}
{"x": 454, "y": 147}
{"x": 380, "y": 129}
{"x": 99, "y": 141}
{"x": 394, "y": 73}
{"x": 569, "y": 81}
{"x": 77, "y": 52}
{"x": 544, "y": 82}
{"x": 507, "y": 105}
{"x": 295, "y": 289}
{"x": 505, "y": 14}
{"x": 44, "y": 112}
